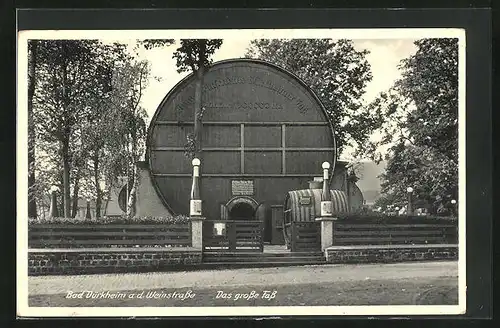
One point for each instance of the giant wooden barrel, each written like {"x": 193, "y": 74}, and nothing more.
{"x": 305, "y": 206}
{"x": 264, "y": 133}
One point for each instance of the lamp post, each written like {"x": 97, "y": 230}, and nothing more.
{"x": 326, "y": 219}
{"x": 53, "y": 202}
{"x": 409, "y": 190}
{"x": 195, "y": 201}
{"x": 195, "y": 209}
{"x": 87, "y": 211}
{"x": 326, "y": 197}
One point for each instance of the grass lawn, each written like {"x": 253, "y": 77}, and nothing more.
{"x": 426, "y": 291}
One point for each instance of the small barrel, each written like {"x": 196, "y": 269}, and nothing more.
{"x": 305, "y": 206}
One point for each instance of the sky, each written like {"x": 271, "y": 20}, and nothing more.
{"x": 384, "y": 57}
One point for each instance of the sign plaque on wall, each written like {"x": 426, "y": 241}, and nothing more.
{"x": 305, "y": 200}
{"x": 242, "y": 187}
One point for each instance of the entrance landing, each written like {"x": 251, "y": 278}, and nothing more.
{"x": 276, "y": 249}
{"x": 272, "y": 255}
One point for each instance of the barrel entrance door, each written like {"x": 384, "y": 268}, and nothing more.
{"x": 242, "y": 211}
{"x": 240, "y": 208}
{"x": 239, "y": 228}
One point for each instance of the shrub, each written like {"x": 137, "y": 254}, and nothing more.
{"x": 179, "y": 219}
{"x": 381, "y": 218}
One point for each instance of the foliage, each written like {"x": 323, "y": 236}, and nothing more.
{"x": 336, "y": 72}
{"x": 421, "y": 124}
{"x": 32, "y": 63}
{"x": 194, "y": 54}
{"x": 103, "y": 136}
{"x": 71, "y": 76}
{"x": 86, "y": 115}
{"x": 190, "y": 146}
{"x": 155, "y": 43}
{"x": 387, "y": 200}
{"x": 180, "y": 219}
{"x": 128, "y": 120}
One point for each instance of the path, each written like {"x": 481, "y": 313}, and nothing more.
{"x": 50, "y": 285}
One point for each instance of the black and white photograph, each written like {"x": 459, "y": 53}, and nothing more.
{"x": 241, "y": 172}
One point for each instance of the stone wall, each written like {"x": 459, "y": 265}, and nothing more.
{"x": 102, "y": 260}
{"x": 390, "y": 253}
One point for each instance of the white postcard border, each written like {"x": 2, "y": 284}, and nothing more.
{"x": 24, "y": 310}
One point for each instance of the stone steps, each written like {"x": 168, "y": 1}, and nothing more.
{"x": 243, "y": 265}
{"x": 255, "y": 259}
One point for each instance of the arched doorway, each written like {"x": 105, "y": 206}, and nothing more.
{"x": 240, "y": 224}
{"x": 242, "y": 208}
{"x": 242, "y": 211}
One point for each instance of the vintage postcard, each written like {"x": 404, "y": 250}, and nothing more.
{"x": 188, "y": 173}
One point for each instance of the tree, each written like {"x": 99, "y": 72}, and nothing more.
{"x": 47, "y": 171}
{"x": 155, "y": 43}
{"x": 70, "y": 74}
{"x": 111, "y": 134}
{"x": 336, "y": 72}
{"x": 104, "y": 135}
{"x": 89, "y": 124}
{"x": 129, "y": 120}
{"x": 421, "y": 125}
{"x": 32, "y": 60}
{"x": 193, "y": 55}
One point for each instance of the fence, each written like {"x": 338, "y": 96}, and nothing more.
{"x": 393, "y": 234}
{"x": 305, "y": 236}
{"x": 233, "y": 235}
{"x": 109, "y": 235}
